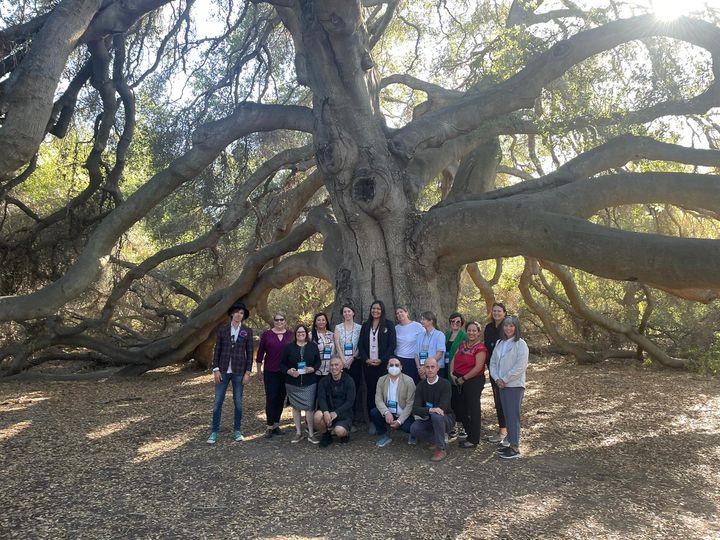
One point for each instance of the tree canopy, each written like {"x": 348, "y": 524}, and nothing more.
{"x": 160, "y": 160}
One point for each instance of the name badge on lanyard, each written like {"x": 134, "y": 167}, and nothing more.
{"x": 447, "y": 356}
{"x": 301, "y": 368}
{"x": 327, "y": 351}
{"x": 393, "y": 406}
{"x": 429, "y": 404}
{"x": 423, "y": 357}
{"x": 348, "y": 349}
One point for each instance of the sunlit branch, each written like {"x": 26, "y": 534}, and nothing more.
{"x": 550, "y": 326}
{"x": 614, "y": 153}
{"x": 596, "y": 317}
{"x": 586, "y": 198}
{"x": 521, "y": 90}
{"x": 378, "y": 29}
{"x": 208, "y": 142}
{"x": 305, "y": 263}
{"x": 231, "y": 217}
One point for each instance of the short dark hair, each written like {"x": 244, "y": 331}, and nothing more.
{"x": 455, "y": 315}
{"x": 429, "y": 316}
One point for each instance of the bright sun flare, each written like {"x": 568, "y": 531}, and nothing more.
{"x": 672, "y": 9}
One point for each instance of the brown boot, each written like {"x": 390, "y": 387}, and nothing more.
{"x": 438, "y": 455}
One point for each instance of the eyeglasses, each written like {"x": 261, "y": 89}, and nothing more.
{"x": 278, "y": 320}
{"x": 456, "y": 321}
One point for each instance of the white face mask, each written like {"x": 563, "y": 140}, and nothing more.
{"x": 394, "y": 370}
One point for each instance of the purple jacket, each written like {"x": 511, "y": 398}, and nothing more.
{"x": 239, "y": 354}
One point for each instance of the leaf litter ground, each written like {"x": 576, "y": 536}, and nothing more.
{"x": 609, "y": 451}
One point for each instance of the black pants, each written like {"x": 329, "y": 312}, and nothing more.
{"x": 466, "y": 405}
{"x": 372, "y": 375}
{"x": 274, "y": 396}
{"x": 498, "y": 404}
{"x": 356, "y": 375}
{"x": 409, "y": 368}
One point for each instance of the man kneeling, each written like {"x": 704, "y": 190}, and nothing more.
{"x": 432, "y": 410}
{"x": 336, "y": 397}
{"x": 394, "y": 398}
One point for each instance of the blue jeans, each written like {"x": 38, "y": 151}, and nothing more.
{"x": 381, "y": 426}
{"x": 220, "y": 390}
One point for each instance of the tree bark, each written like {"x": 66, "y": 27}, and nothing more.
{"x": 29, "y": 93}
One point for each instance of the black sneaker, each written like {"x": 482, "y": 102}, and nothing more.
{"x": 345, "y": 439}
{"x": 326, "y": 440}
{"x": 269, "y": 433}
{"x": 276, "y": 431}
{"x": 510, "y": 454}
{"x": 502, "y": 449}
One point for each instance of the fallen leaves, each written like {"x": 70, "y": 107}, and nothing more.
{"x": 631, "y": 454}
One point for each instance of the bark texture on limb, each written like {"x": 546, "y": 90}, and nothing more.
{"x": 28, "y": 98}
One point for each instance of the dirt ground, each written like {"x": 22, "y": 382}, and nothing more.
{"x": 609, "y": 451}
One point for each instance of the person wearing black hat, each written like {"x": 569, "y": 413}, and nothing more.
{"x": 232, "y": 362}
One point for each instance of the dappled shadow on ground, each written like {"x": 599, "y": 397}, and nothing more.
{"x": 610, "y": 451}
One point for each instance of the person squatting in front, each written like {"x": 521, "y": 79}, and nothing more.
{"x": 336, "y": 400}
{"x": 434, "y": 415}
{"x": 394, "y": 398}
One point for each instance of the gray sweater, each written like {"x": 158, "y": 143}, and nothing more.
{"x": 511, "y": 366}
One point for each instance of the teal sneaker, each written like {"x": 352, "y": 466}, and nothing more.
{"x": 213, "y": 438}
{"x": 383, "y": 440}
{"x": 238, "y": 436}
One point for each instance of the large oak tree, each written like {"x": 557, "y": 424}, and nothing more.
{"x": 320, "y": 82}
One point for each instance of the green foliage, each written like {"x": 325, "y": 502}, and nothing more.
{"x": 708, "y": 358}
{"x": 302, "y": 299}
{"x": 60, "y": 174}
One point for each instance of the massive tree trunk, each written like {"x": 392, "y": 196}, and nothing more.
{"x": 372, "y": 196}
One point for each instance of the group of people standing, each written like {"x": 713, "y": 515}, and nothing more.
{"x": 415, "y": 378}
